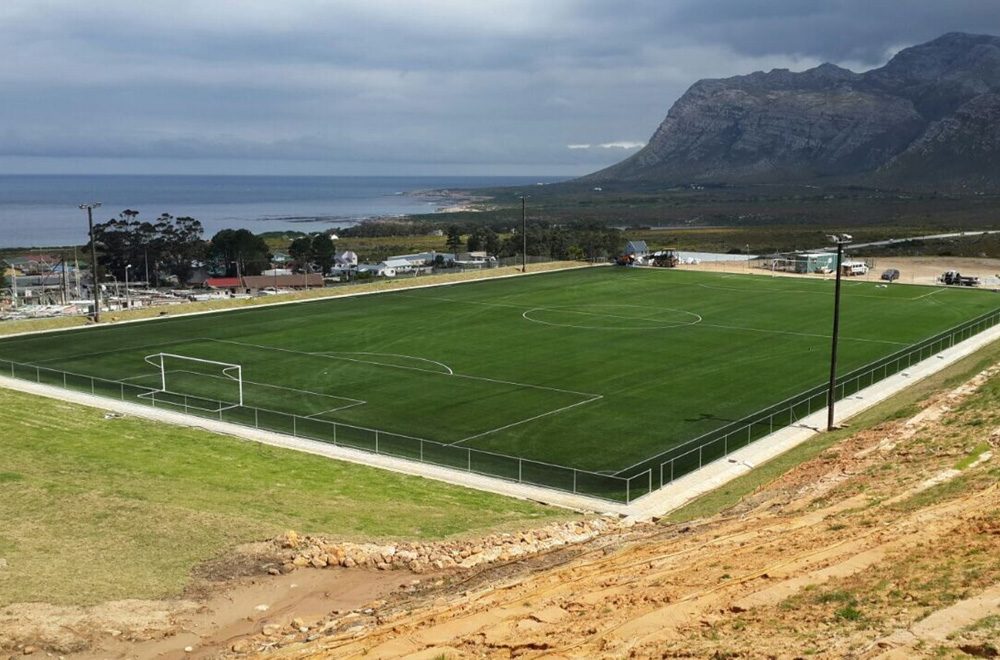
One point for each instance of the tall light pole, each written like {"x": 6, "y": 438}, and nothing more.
{"x": 524, "y": 238}
{"x": 128, "y": 299}
{"x": 841, "y": 240}
{"x": 93, "y": 258}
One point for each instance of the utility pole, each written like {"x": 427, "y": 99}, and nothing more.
{"x": 841, "y": 241}
{"x": 93, "y": 258}
{"x": 128, "y": 298}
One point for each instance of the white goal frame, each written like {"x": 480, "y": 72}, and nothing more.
{"x": 229, "y": 370}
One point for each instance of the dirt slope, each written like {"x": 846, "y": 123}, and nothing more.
{"x": 887, "y": 545}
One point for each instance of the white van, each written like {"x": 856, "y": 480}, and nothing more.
{"x": 854, "y": 268}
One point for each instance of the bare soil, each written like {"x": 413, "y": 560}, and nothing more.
{"x": 880, "y": 546}
{"x": 913, "y": 270}
{"x": 885, "y": 545}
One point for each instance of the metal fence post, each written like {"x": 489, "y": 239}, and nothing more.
{"x": 376, "y": 441}
{"x": 421, "y": 450}
{"x": 650, "y": 473}
{"x": 574, "y": 481}
{"x": 295, "y": 429}
{"x": 520, "y": 465}
{"x": 701, "y": 451}
{"x": 468, "y": 453}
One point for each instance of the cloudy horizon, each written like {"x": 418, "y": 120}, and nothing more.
{"x": 394, "y": 87}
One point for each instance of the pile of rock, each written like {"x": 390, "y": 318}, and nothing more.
{"x": 309, "y": 551}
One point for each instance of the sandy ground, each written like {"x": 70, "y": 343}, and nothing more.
{"x": 913, "y": 270}
{"x": 858, "y": 553}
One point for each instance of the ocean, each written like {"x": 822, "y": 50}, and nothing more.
{"x": 43, "y": 210}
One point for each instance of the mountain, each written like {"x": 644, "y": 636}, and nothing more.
{"x": 929, "y": 118}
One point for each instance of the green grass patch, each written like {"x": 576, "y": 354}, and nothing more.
{"x": 97, "y": 509}
{"x": 973, "y": 456}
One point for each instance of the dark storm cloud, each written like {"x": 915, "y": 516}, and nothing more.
{"x": 401, "y": 85}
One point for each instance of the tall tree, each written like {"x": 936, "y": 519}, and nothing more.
{"x": 239, "y": 251}
{"x": 454, "y": 238}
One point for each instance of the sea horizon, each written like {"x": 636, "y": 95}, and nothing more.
{"x": 42, "y": 210}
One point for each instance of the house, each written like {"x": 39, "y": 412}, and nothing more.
{"x": 813, "y": 262}
{"x": 346, "y": 259}
{"x": 255, "y": 283}
{"x": 636, "y": 248}
{"x": 229, "y": 283}
{"x": 280, "y": 257}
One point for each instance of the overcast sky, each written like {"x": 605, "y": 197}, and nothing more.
{"x": 558, "y": 87}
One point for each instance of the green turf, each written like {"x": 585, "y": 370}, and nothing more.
{"x": 99, "y": 509}
{"x": 596, "y": 369}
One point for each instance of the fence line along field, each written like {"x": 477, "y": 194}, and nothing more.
{"x": 596, "y": 369}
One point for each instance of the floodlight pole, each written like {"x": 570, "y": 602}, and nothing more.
{"x": 524, "y": 238}
{"x": 93, "y": 258}
{"x": 831, "y": 395}
{"x": 128, "y": 298}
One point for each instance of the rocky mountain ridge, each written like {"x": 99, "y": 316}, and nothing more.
{"x": 928, "y": 118}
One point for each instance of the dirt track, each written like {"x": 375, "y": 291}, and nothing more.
{"x": 878, "y": 547}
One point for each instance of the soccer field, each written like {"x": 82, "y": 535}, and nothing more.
{"x": 597, "y": 369}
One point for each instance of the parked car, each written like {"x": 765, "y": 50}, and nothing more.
{"x": 890, "y": 275}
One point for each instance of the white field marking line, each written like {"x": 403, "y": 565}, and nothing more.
{"x": 560, "y": 309}
{"x": 528, "y": 419}
{"x": 114, "y": 350}
{"x": 803, "y": 334}
{"x": 323, "y": 412}
{"x": 447, "y": 369}
{"x": 353, "y": 401}
{"x": 220, "y": 408}
{"x": 398, "y": 366}
{"x": 924, "y": 295}
{"x": 663, "y": 325}
{"x": 816, "y": 292}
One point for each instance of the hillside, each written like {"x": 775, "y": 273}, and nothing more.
{"x": 928, "y": 118}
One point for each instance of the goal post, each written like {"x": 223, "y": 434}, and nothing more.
{"x": 184, "y": 375}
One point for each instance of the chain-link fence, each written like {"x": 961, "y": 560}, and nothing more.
{"x": 716, "y": 444}
{"x": 624, "y": 486}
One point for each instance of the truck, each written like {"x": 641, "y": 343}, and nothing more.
{"x": 954, "y": 278}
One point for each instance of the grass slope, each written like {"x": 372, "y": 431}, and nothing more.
{"x": 595, "y": 369}
{"x": 97, "y": 509}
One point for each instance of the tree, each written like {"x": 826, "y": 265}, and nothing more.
{"x": 454, "y": 239}
{"x": 239, "y": 251}
{"x": 171, "y": 243}
{"x": 483, "y": 239}
{"x": 300, "y": 250}
{"x": 323, "y": 252}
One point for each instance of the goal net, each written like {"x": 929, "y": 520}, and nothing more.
{"x": 196, "y": 382}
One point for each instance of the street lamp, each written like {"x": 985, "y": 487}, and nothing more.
{"x": 93, "y": 258}
{"x": 128, "y": 299}
{"x": 841, "y": 240}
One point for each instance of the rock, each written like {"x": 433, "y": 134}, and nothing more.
{"x": 28, "y": 650}
{"x": 290, "y": 540}
{"x": 241, "y": 646}
{"x": 318, "y": 562}
{"x": 349, "y": 562}
{"x": 287, "y": 568}
{"x": 930, "y": 115}
{"x": 271, "y": 629}
{"x": 300, "y": 561}
{"x": 417, "y": 566}
{"x": 188, "y": 649}
{"x": 274, "y": 570}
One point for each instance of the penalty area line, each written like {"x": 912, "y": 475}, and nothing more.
{"x": 528, "y": 419}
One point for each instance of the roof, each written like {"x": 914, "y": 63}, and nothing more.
{"x": 636, "y": 246}
{"x": 222, "y": 282}
{"x": 283, "y": 281}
